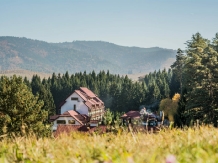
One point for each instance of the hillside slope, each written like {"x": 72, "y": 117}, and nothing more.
{"x": 22, "y": 53}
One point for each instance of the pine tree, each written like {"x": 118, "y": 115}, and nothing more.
{"x": 178, "y": 67}
{"x": 20, "y": 110}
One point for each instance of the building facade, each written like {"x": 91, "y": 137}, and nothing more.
{"x": 80, "y": 108}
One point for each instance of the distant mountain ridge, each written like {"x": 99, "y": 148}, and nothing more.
{"x": 41, "y": 56}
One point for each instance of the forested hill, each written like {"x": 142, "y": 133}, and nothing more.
{"x": 34, "y": 55}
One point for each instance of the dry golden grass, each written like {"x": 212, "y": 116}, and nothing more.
{"x": 24, "y": 73}
{"x": 190, "y": 145}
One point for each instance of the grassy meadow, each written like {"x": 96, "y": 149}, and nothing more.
{"x": 188, "y": 145}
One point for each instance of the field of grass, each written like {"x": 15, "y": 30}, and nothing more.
{"x": 188, "y": 145}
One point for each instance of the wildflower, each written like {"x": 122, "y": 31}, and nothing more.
{"x": 171, "y": 159}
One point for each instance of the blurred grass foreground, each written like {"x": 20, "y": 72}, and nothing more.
{"x": 176, "y": 145}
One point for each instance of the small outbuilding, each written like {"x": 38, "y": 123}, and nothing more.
{"x": 130, "y": 116}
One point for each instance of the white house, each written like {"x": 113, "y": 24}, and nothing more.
{"x": 84, "y": 101}
{"x": 80, "y": 108}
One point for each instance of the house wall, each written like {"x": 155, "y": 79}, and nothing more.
{"x": 55, "y": 125}
{"x": 69, "y": 105}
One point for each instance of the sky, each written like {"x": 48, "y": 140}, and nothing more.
{"x": 142, "y": 23}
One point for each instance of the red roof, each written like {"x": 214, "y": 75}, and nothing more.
{"x": 70, "y": 113}
{"x": 52, "y": 118}
{"x": 90, "y": 99}
{"x": 89, "y": 104}
{"x": 131, "y": 114}
{"x": 73, "y": 114}
{"x": 82, "y": 118}
{"x": 87, "y": 92}
{"x": 73, "y": 128}
{"x": 84, "y": 97}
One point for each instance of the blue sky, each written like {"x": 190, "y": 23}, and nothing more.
{"x": 142, "y": 23}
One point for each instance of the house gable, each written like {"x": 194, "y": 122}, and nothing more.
{"x": 74, "y": 102}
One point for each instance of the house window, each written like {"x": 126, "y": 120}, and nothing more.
{"x": 71, "y": 121}
{"x": 61, "y": 122}
{"x": 74, "y": 107}
{"x": 74, "y": 98}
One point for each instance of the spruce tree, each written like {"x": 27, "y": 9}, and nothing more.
{"x": 178, "y": 67}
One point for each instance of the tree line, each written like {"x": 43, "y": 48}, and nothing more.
{"x": 119, "y": 93}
